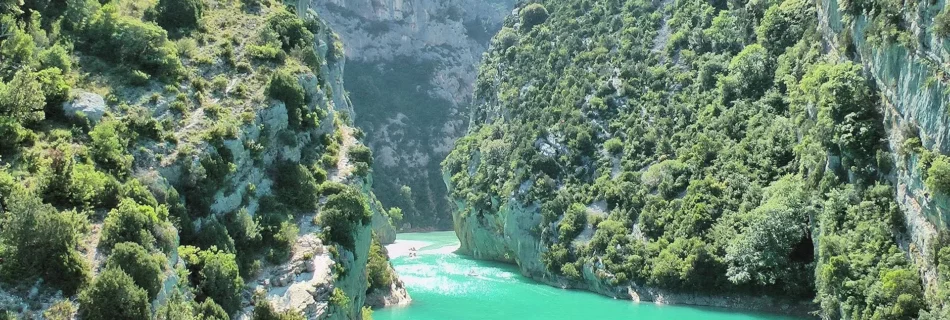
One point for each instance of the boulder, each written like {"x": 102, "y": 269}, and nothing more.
{"x": 90, "y": 104}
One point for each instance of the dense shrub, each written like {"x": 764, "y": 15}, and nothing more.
{"x": 342, "y": 214}
{"x": 941, "y": 24}
{"x": 532, "y": 15}
{"x": 132, "y": 222}
{"x": 783, "y": 25}
{"x": 215, "y": 273}
{"x": 938, "y": 175}
{"x": 130, "y": 41}
{"x": 575, "y": 220}
{"x": 284, "y": 86}
{"x": 378, "y": 271}
{"x": 179, "y": 15}
{"x": 361, "y": 153}
{"x": 114, "y": 296}
{"x": 38, "y": 241}
{"x": 263, "y": 310}
{"x": 12, "y": 135}
{"x": 144, "y": 268}
{"x": 22, "y": 98}
{"x": 108, "y": 147}
{"x": 291, "y": 29}
{"x": 295, "y": 186}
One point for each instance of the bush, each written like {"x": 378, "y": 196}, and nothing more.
{"x": 144, "y": 268}
{"x": 56, "y": 57}
{"x": 108, "y": 147}
{"x": 938, "y": 175}
{"x": 296, "y": 187}
{"x": 263, "y": 310}
{"x": 12, "y": 135}
{"x": 575, "y": 220}
{"x": 55, "y": 89}
{"x": 291, "y": 30}
{"x": 22, "y": 98}
{"x": 130, "y": 41}
{"x": 341, "y": 215}
{"x": 179, "y": 15}
{"x": 532, "y": 15}
{"x": 38, "y": 241}
{"x": 379, "y": 273}
{"x": 113, "y": 296}
{"x": 221, "y": 279}
{"x": 90, "y": 188}
{"x": 942, "y": 23}
{"x": 284, "y": 86}
{"x": 284, "y": 240}
{"x": 613, "y": 146}
{"x": 209, "y": 310}
{"x": 361, "y": 153}
{"x": 132, "y": 222}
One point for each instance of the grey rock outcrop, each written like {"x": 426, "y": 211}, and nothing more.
{"x": 913, "y": 84}
{"x": 92, "y": 105}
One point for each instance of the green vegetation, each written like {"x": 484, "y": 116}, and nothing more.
{"x": 177, "y": 15}
{"x": 122, "y": 122}
{"x": 216, "y": 275}
{"x": 38, "y": 241}
{"x": 532, "y": 15}
{"x": 727, "y": 152}
{"x": 379, "y": 273}
{"x": 114, "y": 295}
{"x": 942, "y": 23}
{"x": 144, "y": 268}
{"x": 264, "y": 311}
{"x": 342, "y": 214}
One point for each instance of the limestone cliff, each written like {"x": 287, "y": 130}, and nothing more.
{"x": 523, "y": 164}
{"x": 412, "y": 69}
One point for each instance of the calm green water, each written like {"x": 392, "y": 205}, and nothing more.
{"x": 442, "y": 289}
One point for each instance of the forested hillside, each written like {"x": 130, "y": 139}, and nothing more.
{"x": 180, "y": 159}
{"x": 698, "y": 152}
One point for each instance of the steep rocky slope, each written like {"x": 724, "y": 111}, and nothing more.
{"x": 413, "y": 66}
{"x": 227, "y": 157}
{"x": 757, "y": 155}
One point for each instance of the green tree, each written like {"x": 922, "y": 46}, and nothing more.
{"x": 575, "y": 220}
{"x": 532, "y": 15}
{"x": 783, "y": 25}
{"x": 938, "y": 175}
{"x": 132, "y": 222}
{"x": 221, "y": 280}
{"x": 144, "y": 268}
{"x": 284, "y": 86}
{"x": 291, "y": 30}
{"x": 109, "y": 140}
{"x": 114, "y": 296}
{"x": 296, "y": 186}
{"x": 38, "y": 241}
{"x": 342, "y": 213}
{"x": 179, "y": 15}
{"x": 22, "y": 98}
{"x": 379, "y": 273}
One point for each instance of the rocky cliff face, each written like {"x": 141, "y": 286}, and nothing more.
{"x": 412, "y": 66}
{"x": 911, "y": 77}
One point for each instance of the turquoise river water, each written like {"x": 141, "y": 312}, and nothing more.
{"x": 448, "y": 286}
